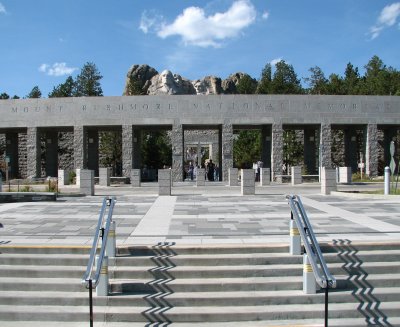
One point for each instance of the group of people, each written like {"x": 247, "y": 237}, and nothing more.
{"x": 211, "y": 172}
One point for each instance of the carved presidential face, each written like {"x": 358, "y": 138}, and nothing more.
{"x": 166, "y": 77}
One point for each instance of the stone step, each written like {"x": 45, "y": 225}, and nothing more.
{"x": 40, "y": 259}
{"x": 193, "y": 314}
{"x": 41, "y": 284}
{"x": 45, "y": 249}
{"x": 42, "y": 271}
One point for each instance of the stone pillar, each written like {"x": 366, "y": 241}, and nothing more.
{"x": 350, "y": 145}
{"x": 296, "y": 175}
{"x": 105, "y": 176}
{"x": 51, "y": 153}
{"x": 371, "y": 150}
{"x": 266, "y": 146}
{"x": 33, "y": 152}
{"x": 87, "y": 182}
{"x": 345, "y": 175}
{"x": 277, "y": 150}
{"x": 227, "y": 149}
{"x": 200, "y": 178}
{"x": 248, "y": 186}
{"x": 12, "y": 153}
{"x": 80, "y": 147}
{"x": 93, "y": 151}
{"x": 63, "y": 177}
{"x": 127, "y": 150}
{"x": 164, "y": 182}
{"x": 177, "y": 152}
{"x": 233, "y": 176}
{"x": 310, "y": 158}
{"x": 325, "y": 159}
{"x": 328, "y": 180}
{"x": 135, "y": 178}
{"x": 265, "y": 178}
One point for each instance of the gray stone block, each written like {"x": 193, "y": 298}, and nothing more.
{"x": 63, "y": 177}
{"x": 328, "y": 180}
{"x": 233, "y": 176}
{"x": 105, "y": 176}
{"x": 200, "y": 179}
{"x": 164, "y": 182}
{"x": 87, "y": 182}
{"x": 345, "y": 175}
{"x": 265, "y": 177}
{"x": 296, "y": 175}
{"x": 248, "y": 182}
{"x": 135, "y": 178}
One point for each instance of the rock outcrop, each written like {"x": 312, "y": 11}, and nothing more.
{"x": 138, "y": 79}
{"x": 143, "y": 79}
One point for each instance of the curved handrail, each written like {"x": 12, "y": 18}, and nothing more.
{"x": 102, "y": 230}
{"x": 317, "y": 261}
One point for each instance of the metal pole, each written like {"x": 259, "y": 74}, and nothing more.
{"x": 387, "y": 181}
{"x": 326, "y": 306}
{"x": 90, "y": 303}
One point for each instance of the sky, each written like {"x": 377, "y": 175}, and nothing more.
{"x": 45, "y": 41}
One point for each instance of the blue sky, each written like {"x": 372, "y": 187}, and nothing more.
{"x": 45, "y": 41}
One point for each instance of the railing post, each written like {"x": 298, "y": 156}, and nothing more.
{"x": 309, "y": 282}
{"x": 102, "y": 286}
{"x": 111, "y": 240}
{"x": 295, "y": 238}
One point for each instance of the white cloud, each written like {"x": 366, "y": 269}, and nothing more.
{"x": 388, "y": 17}
{"x": 2, "y": 9}
{"x": 196, "y": 28}
{"x": 57, "y": 69}
{"x": 265, "y": 15}
{"x": 150, "y": 21}
{"x": 275, "y": 61}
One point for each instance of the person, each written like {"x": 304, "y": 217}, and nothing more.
{"x": 191, "y": 170}
{"x": 210, "y": 171}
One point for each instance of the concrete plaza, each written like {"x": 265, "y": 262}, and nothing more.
{"x": 213, "y": 214}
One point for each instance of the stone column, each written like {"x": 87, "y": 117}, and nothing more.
{"x": 80, "y": 147}
{"x": 310, "y": 151}
{"x": 12, "y": 153}
{"x": 227, "y": 149}
{"x": 93, "y": 151}
{"x": 350, "y": 145}
{"x": 177, "y": 151}
{"x": 276, "y": 150}
{"x": 51, "y": 153}
{"x": 266, "y": 146}
{"x": 33, "y": 152}
{"x": 325, "y": 159}
{"x": 371, "y": 150}
{"x": 127, "y": 150}
{"x": 135, "y": 178}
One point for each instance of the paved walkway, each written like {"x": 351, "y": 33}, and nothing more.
{"x": 201, "y": 215}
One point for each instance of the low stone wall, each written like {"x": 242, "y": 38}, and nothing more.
{"x": 8, "y": 197}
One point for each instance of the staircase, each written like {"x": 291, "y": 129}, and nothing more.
{"x": 243, "y": 285}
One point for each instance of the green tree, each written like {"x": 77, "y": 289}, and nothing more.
{"x": 246, "y": 85}
{"x": 247, "y": 148}
{"x": 351, "y": 81}
{"x": 15, "y": 97}
{"x": 376, "y": 78}
{"x": 63, "y": 90}
{"x": 264, "y": 84}
{"x": 317, "y": 82}
{"x": 35, "y": 93}
{"x": 335, "y": 85}
{"x": 4, "y": 96}
{"x": 110, "y": 147}
{"x": 292, "y": 149}
{"x": 285, "y": 80}
{"x": 87, "y": 83}
{"x": 135, "y": 87}
{"x": 156, "y": 149}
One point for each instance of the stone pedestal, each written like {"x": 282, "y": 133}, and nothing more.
{"x": 200, "y": 178}
{"x": 105, "y": 176}
{"x": 296, "y": 175}
{"x": 87, "y": 182}
{"x": 164, "y": 182}
{"x": 135, "y": 178}
{"x": 265, "y": 177}
{"x": 328, "y": 180}
{"x": 63, "y": 177}
{"x": 78, "y": 177}
{"x": 233, "y": 176}
{"x": 248, "y": 186}
{"x": 345, "y": 175}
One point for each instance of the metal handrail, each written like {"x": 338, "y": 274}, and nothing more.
{"x": 91, "y": 276}
{"x": 317, "y": 261}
